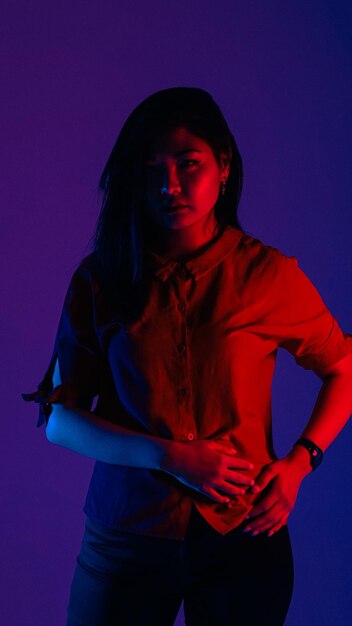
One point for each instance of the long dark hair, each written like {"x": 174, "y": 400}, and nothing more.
{"x": 119, "y": 238}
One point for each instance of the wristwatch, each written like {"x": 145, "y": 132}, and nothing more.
{"x": 316, "y": 454}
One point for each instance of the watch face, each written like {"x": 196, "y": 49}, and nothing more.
{"x": 317, "y": 458}
{"x": 316, "y": 455}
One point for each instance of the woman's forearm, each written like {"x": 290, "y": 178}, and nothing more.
{"x": 332, "y": 410}
{"x": 90, "y": 435}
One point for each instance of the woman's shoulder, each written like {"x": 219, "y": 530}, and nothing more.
{"x": 87, "y": 264}
{"x": 87, "y": 270}
{"x": 263, "y": 272}
{"x": 260, "y": 257}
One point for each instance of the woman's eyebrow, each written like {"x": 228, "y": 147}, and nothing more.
{"x": 187, "y": 150}
{"x": 180, "y": 153}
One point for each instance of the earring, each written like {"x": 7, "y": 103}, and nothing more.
{"x": 223, "y": 186}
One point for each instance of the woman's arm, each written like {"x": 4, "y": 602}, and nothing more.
{"x": 331, "y": 412}
{"x": 208, "y": 466}
{"x": 89, "y": 434}
{"x": 333, "y": 406}
{"x": 211, "y": 467}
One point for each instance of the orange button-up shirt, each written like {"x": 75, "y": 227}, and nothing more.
{"x": 197, "y": 363}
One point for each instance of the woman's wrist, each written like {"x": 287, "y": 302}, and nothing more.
{"x": 301, "y": 459}
{"x": 168, "y": 455}
{"x": 146, "y": 451}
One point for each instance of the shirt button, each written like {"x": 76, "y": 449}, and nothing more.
{"x": 182, "y": 272}
{"x": 181, "y": 347}
{"x": 181, "y": 307}
{"x": 183, "y": 392}
{"x": 190, "y": 436}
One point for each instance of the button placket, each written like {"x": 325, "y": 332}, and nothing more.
{"x": 182, "y": 272}
{"x": 183, "y": 393}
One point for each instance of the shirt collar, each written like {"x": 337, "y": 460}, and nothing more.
{"x": 201, "y": 262}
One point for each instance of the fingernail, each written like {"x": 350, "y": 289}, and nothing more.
{"x": 255, "y": 489}
{"x": 256, "y": 532}
{"x": 271, "y": 533}
{"x": 247, "y": 529}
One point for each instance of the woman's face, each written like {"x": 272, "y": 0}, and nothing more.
{"x": 183, "y": 179}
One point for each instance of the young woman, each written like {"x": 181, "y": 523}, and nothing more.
{"x": 173, "y": 322}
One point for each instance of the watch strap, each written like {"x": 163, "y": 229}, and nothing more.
{"x": 316, "y": 453}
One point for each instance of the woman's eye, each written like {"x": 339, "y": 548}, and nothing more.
{"x": 152, "y": 170}
{"x": 156, "y": 167}
{"x": 189, "y": 163}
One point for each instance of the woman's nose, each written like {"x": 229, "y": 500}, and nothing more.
{"x": 170, "y": 181}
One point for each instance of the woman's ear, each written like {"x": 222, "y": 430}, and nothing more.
{"x": 225, "y": 163}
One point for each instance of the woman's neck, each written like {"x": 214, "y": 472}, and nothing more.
{"x": 180, "y": 244}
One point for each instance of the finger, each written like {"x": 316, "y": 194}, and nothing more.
{"x": 266, "y": 520}
{"x": 277, "y": 527}
{"x": 233, "y": 490}
{"x": 228, "y": 488}
{"x": 239, "y": 463}
{"x": 226, "y": 450}
{"x": 263, "y": 480}
{"x": 241, "y": 479}
{"x": 214, "y": 495}
{"x": 255, "y": 518}
{"x": 226, "y": 444}
{"x": 265, "y": 505}
{"x": 270, "y": 525}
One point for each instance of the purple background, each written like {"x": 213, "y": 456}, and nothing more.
{"x": 281, "y": 72}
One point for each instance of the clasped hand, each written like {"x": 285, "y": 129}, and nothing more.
{"x": 283, "y": 479}
{"x": 210, "y": 466}
{"x": 213, "y": 468}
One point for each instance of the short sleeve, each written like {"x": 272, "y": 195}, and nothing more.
{"x": 302, "y": 323}
{"x": 77, "y": 350}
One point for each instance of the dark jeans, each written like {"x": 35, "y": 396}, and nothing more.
{"x": 124, "y": 579}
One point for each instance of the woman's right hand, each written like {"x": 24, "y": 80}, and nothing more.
{"x": 210, "y": 466}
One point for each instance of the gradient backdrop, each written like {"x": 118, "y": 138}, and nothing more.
{"x": 72, "y": 72}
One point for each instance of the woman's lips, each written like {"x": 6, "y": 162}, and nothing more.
{"x": 175, "y": 207}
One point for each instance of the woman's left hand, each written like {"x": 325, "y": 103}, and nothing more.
{"x": 283, "y": 478}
